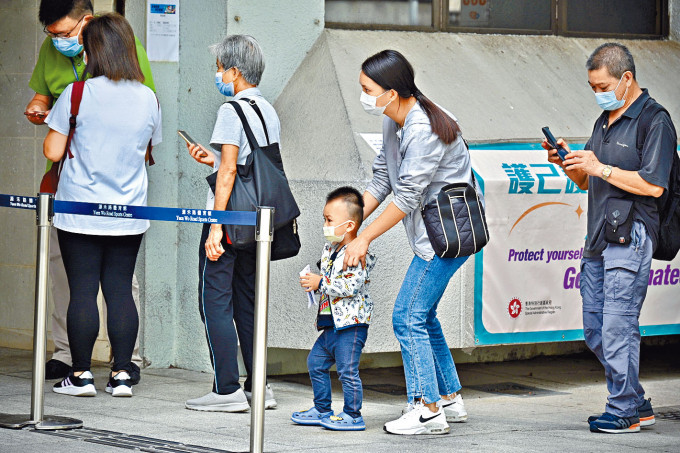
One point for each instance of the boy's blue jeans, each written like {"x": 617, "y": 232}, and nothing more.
{"x": 342, "y": 348}
{"x": 613, "y": 287}
{"x": 428, "y": 365}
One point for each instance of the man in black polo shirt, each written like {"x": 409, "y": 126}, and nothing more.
{"x": 623, "y": 183}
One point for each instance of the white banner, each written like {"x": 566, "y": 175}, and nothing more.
{"x": 162, "y": 30}
{"x": 528, "y": 277}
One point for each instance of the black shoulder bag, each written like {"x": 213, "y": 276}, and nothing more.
{"x": 668, "y": 243}
{"x": 261, "y": 181}
{"x": 455, "y": 221}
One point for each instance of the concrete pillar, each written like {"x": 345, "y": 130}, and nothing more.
{"x": 168, "y": 264}
{"x": 21, "y": 166}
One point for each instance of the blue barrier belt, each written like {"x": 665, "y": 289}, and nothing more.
{"x": 18, "y": 201}
{"x": 136, "y": 212}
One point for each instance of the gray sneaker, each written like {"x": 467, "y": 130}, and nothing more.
{"x": 214, "y": 402}
{"x": 269, "y": 401}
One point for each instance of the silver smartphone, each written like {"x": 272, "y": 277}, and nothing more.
{"x": 190, "y": 141}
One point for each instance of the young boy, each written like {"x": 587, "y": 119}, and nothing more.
{"x": 344, "y": 315}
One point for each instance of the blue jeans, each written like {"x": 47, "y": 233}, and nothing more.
{"x": 342, "y": 347}
{"x": 613, "y": 288}
{"x": 428, "y": 365}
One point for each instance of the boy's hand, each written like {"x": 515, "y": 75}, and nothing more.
{"x": 310, "y": 282}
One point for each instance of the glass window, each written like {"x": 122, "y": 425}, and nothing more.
{"x": 596, "y": 18}
{"x": 380, "y": 12}
{"x": 501, "y": 14}
{"x": 638, "y": 17}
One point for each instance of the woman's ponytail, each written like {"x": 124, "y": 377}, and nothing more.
{"x": 442, "y": 124}
{"x": 392, "y": 71}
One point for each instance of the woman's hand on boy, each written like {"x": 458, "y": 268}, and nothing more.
{"x": 310, "y": 282}
{"x": 355, "y": 253}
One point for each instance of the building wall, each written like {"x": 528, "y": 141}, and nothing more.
{"x": 311, "y": 77}
{"x": 674, "y": 12}
{"x": 171, "y": 331}
{"x": 21, "y": 166}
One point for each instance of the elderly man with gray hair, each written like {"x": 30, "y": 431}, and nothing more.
{"x": 625, "y": 167}
{"x": 226, "y": 290}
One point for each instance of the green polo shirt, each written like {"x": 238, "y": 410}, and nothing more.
{"x": 54, "y": 72}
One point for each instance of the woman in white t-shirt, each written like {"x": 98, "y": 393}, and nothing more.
{"x": 118, "y": 118}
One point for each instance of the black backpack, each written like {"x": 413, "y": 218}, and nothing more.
{"x": 669, "y": 203}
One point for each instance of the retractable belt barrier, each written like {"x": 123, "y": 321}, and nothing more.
{"x": 135, "y": 212}
{"x": 46, "y": 206}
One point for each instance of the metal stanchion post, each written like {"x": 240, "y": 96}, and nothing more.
{"x": 37, "y": 417}
{"x": 264, "y": 236}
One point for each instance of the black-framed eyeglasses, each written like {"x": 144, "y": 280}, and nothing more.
{"x": 62, "y": 35}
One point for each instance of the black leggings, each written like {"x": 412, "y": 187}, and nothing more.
{"x": 89, "y": 260}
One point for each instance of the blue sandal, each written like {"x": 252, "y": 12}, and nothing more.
{"x": 310, "y": 417}
{"x": 343, "y": 422}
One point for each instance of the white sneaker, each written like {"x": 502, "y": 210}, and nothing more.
{"x": 269, "y": 401}
{"x": 120, "y": 385}
{"x": 454, "y": 409}
{"x": 214, "y": 402}
{"x": 408, "y": 408}
{"x": 419, "y": 421}
{"x": 82, "y": 385}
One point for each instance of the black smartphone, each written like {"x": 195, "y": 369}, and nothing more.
{"x": 190, "y": 141}
{"x": 553, "y": 143}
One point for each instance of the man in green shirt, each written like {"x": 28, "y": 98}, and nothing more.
{"x": 54, "y": 71}
{"x": 60, "y": 63}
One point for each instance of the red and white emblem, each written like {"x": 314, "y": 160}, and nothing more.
{"x": 515, "y": 308}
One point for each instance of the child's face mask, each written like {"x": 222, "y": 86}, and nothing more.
{"x": 329, "y": 233}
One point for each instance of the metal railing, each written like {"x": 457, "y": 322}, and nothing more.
{"x": 45, "y": 207}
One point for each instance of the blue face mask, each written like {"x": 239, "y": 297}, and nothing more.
{"x": 227, "y": 89}
{"x": 69, "y": 47}
{"x": 608, "y": 101}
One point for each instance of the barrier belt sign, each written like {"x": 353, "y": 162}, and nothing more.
{"x": 135, "y": 212}
{"x": 17, "y": 201}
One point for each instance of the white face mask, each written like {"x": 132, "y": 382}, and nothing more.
{"x": 368, "y": 102}
{"x": 329, "y": 233}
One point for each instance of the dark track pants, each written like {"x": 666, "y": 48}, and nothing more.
{"x": 226, "y": 296}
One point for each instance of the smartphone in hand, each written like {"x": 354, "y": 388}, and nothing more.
{"x": 39, "y": 115}
{"x": 553, "y": 143}
{"x": 190, "y": 141}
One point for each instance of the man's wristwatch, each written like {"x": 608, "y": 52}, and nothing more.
{"x": 606, "y": 172}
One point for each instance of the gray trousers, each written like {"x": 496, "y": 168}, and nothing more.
{"x": 613, "y": 287}
{"x": 60, "y": 300}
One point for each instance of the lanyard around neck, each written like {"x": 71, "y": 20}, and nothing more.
{"x": 75, "y": 72}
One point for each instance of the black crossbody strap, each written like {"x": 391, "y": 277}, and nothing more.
{"x": 252, "y": 141}
{"x": 255, "y": 107}
{"x": 448, "y": 223}
{"x": 476, "y": 220}
{"x": 649, "y": 111}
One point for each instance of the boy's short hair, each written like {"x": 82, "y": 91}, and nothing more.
{"x": 353, "y": 199}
